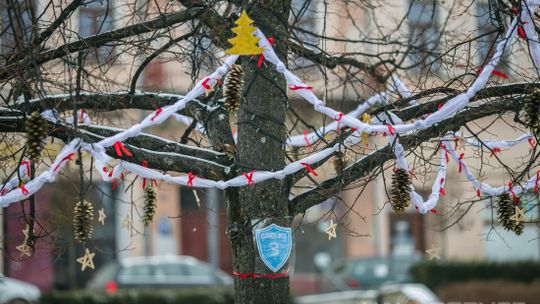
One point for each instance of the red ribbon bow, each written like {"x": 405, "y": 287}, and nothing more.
{"x": 495, "y": 150}
{"x": 306, "y": 139}
{"x": 310, "y": 170}
{"x": 27, "y": 165}
{"x": 261, "y": 56}
{"x": 119, "y": 148}
{"x": 69, "y": 157}
{"x": 391, "y": 129}
{"x": 446, "y": 153}
{"x": 190, "y": 177}
{"x": 24, "y": 190}
{"x": 158, "y": 111}
{"x": 441, "y": 190}
{"x": 296, "y": 87}
{"x": 532, "y": 142}
{"x": 478, "y": 192}
{"x": 521, "y": 30}
{"x": 249, "y": 177}
{"x": 144, "y": 164}
{"x": 494, "y": 72}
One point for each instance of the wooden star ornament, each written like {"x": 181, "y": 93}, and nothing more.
{"x": 433, "y": 253}
{"x": 24, "y": 249}
{"x": 87, "y": 260}
{"x": 519, "y": 215}
{"x": 102, "y": 216}
{"x": 331, "y": 230}
{"x": 127, "y": 223}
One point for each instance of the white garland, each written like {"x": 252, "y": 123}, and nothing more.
{"x": 97, "y": 150}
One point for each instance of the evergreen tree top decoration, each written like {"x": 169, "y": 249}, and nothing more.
{"x": 244, "y": 43}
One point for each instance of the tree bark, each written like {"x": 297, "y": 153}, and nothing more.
{"x": 261, "y": 134}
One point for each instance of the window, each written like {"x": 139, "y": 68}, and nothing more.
{"x": 95, "y": 18}
{"x": 423, "y": 35}
{"x": 15, "y": 26}
{"x": 487, "y": 31}
{"x": 304, "y": 18}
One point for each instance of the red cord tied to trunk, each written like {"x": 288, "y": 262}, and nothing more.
{"x": 461, "y": 162}
{"x": 510, "y": 189}
{"x": 495, "y": 150}
{"x": 310, "y": 170}
{"x": 297, "y": 87}
{"x": 23, "y": 189}
{"x": 270, "y": 40}
{"x": 158, "y": 111}
{"x": 119, "y": 148}
{"x": 254, "y": 276}
{"x": 249, "y": 177}
{"x": 69, "y": 157}
{"x": 494, "y": 72}
{"x": 190, "y": 177}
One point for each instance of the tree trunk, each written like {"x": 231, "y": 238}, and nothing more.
{"x": 261, "y": 137}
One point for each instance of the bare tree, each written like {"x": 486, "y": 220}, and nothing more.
{"x": 349, "y": 49}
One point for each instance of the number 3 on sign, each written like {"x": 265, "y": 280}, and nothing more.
{"x": 274, "y": 249}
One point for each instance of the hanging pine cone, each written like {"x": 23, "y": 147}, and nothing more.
{"x": 36, "y": 131}
{"x": 505, "y": 210}
{"x": 150, "y": 206}
{"x": 400, "y": 197}
{"x": 232, "y": 91}
{"x": 83, "y": 221}
{"x": 532, "y": 110}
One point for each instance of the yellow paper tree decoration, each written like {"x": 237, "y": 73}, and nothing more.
{"x": 244, "y": 43}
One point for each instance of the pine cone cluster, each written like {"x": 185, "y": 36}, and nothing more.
{"x": 232, "y": 92}
{"x": 150, "y": 204}
{"x": 532, "y": 110}
{"x": 400, "y": 197}
{"x": 506, "y": 208}
{"x": 83, "y": 221}
{"x": 36, "y": 131}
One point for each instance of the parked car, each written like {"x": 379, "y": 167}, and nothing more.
{"x": 388, "y": 293}
{"x": 158, "y": 272}
{"x": 369, "y": 273}
{"x": 17, "y": 292}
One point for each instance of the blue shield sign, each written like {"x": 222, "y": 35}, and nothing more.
{"x": 274, "y": 244}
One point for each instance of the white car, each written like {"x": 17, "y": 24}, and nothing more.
{"x": 17, "y": 292}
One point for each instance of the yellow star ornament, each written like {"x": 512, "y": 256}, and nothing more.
{"x": 24, "y": 249}
{"x": 518, "y": 216}
{"x": 331, "y": 230}
{"x": 87, "y": 260}
{"x": 244, "y": 43}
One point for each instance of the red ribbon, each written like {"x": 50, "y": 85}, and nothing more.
{"x": 536, "y": 183}
{"x": 478, "y": 192}
{"x": 512, "y": 191}
{"x": 81, "y": 116}
{"x": 24, "y": 190}
{"x": 441, "y": 190}
{"x": 296, "y": 87}
{"x": 391, "y": 129}
{"x": 521, "y": 31}
{"x": 144, "y": 164}
{"x": 158, "y": 111}
{"x": 433, "y": 211}
{"x": 532, "y": 142}
{"x": 439, "y": 106}
{"x": 494, "y": 72}
{"x": 249, "y": 177}
{"x": 495, "y": 150}
{"x": 205, "y": 83}
{"x": 27, "y": 165}
{"x": 69, "y": 157}
{"x": 445, "y": 153}
{"x": 261, "y": 56}
{"x": 190, "y": 177}
{"x": 114, "y": 183}
{"x": 119, "y": 148}
{"x": 460, "y": 162}
{"x": 310, "y": 170}
{"x": 411, "y": 173}
{"x": 306, "y": 139}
